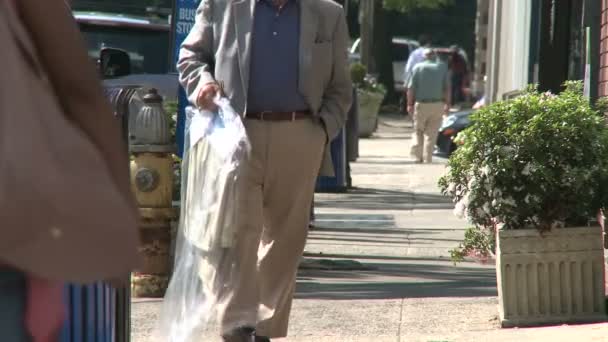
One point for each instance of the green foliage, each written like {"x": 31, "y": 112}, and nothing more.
{"x": 539, "y": 160}
{"x": 171, "y": 111}
{"x": 363, "y": 81}
{"x": 408, "y": 5}
{"x": 357, "y": 73}
{"x": 371, "y": 84}
{"x": 478, "y": 243}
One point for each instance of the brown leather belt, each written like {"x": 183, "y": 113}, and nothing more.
{"x": 278, "y": 116}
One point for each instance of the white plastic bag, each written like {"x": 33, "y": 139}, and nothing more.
{"x": 205, "y": 265}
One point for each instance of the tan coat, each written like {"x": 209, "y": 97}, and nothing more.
{"x": 63, "y": 51}
{"x": 48, "y": 34}
{"x": 219, "y": 48}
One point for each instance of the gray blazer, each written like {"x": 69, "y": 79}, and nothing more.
{"x": 219, "y": 47}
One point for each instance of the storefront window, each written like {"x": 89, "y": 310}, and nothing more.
{"x": 576, "y": 60}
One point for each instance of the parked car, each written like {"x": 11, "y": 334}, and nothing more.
{"x": 451, "y": 126}
{"x": 401, "y": 49}
{"x": 139, "y": 45}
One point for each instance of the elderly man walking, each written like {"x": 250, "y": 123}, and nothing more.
{"x": 283, "y": 64}
{"x": 429, "y": 97}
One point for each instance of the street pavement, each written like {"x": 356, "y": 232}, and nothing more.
{"x": 377, "y": 267}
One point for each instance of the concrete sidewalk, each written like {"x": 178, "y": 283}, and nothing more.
{"x": 377, "y": 267}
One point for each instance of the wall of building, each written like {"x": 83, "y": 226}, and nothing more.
{"x": 515, "y": 46}
{"x": 603, "y": 79}
{"x": 481, "y": 46}
{"x": 508, "y": 47}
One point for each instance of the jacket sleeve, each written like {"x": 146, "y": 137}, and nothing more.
{"x": 337, "y": 97}
{"x": 196, "y": 54}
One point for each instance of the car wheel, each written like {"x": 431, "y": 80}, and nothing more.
{"x": 452, "y": 148}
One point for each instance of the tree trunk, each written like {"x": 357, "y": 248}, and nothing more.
{"x": 382, "y": 51}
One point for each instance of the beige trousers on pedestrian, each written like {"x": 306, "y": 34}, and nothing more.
{"x": 276, "y": 190}
{"x": 427, "y": 121}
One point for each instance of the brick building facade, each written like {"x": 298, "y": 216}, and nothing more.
{"x": 603, "y": 68}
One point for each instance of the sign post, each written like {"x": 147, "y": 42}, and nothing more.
{"x": 183, "y": 21}
{"x": 587, "y": 81}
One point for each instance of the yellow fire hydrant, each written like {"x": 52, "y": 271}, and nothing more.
{"x": 152, "y": 182}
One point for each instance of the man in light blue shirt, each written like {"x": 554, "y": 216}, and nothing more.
{"x": 429, "y": 97}
{"x": 416, "y": 57}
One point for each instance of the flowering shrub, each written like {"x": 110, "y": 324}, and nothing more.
{"x": 539, "y": 160}
{"x": 478, "y": 243}
{"x": 364, "y": 81}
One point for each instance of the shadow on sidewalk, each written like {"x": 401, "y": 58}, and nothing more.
{"x": 374, "y": 229}
{"x": 411, "y": 278}
{"x": 380, "y": 199}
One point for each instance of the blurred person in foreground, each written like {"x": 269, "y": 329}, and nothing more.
{"x": 32, "y": 279}
{"x": 284, "y": 67}
{"x": 429, "y": 98}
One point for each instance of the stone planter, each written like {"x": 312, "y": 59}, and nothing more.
{"x": 369, "y": 105}
{"x": 554, "y": 278}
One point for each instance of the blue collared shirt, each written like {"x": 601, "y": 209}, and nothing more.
{"x": 275, "y": 53}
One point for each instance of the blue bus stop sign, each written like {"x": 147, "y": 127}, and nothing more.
{"x": 183, "y": 21}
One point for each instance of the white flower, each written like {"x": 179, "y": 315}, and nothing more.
{"x": 485, "y": 170}
{"x": 509, "y": 201}
{"x": 549, "y": 95}
{"x": 486, "y": 208}
{"x": 460, "y": 209}
{"x": 497, "y": 193}
{"x": 527, "y": 170}
{"x": 452, "y": 187}
{"x": 472, "y": 182}
{"x": 488, "y": 187}
{"x": 527, "y": 199}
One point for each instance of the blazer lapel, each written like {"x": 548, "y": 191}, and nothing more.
{"x": 243, "y": 21}
{"x": 308, "y": 32}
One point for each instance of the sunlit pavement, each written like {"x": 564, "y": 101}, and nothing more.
{"x": 377, "y": 266}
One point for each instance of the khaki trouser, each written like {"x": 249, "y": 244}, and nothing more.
{"x": 276, "y": 190}
{"x": 427, "y": 121}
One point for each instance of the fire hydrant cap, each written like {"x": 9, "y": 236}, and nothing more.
{"x": 153, "y": 97}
